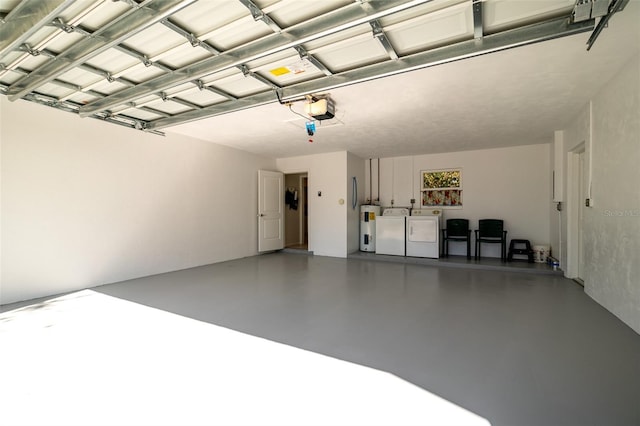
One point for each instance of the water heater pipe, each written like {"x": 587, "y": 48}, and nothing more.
{"x": 378, "y": 195}
{"x": 370, "y": 181}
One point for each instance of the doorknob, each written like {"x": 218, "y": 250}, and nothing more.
{"x": 261, "y": 215}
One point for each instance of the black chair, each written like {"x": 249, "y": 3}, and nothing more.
{"x": 491, "y": 231}
{"x": 456, "y": 230}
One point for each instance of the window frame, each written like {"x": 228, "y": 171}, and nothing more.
{"x": 445, "y": 197}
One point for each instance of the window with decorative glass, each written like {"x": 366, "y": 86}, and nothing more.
{"x": 442, "y": 188}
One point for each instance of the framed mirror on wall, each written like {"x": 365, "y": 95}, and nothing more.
{"x": 441, "y": 188}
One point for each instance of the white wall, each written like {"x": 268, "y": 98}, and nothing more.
{"x": 397, "y": 181}
{"x": 612, "y": 225}
{"x": 371, "y": 168}
{"x": 327, "y": 217}
{"x": 512, "y": 184}
{"x": 86, "y": 203}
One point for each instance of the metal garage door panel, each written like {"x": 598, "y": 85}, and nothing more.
{"x": 82, "y": 98}
{"x": 63, "y": 41}
{"x": 108, "y": 88}
{"x": 503, "y": 14}
{"x": 155, "y": 40}
{"x": 448, "y": 25}
{"x": 80, "y": 77}
{"x": 206, "y": 17}
{"x": 185, "y": 56}
{"x": 294, "y": 12}
{"x": 139, "y": 73}
{"x": 202, "y": 97}
{"x": 239, "y": 85}
{"x": 237, "y": 33}
{"x": 33, "y": 62}
{"x": 113, "y": 61}
{"x": 351, "y": 53}
{"x": 108, "y": 12}
{"x": 55, "y": 90}
{"x": 288, "y": 70}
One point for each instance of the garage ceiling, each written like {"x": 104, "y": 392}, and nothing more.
{"x": 238, "y": 72}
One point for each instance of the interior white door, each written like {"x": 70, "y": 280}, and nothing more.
{"x": 270, "y": 210}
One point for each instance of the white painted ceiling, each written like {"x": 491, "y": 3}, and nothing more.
{"x": 215, "y": 69}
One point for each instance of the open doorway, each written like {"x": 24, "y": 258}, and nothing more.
{"x": 296, "y": 223}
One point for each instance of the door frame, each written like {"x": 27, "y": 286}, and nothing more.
{"x": 574, "y": 205}
{"x": 305, "y": 174}
{"x": 304, "y": 203}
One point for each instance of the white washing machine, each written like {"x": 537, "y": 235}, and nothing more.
{"x": 390, "y": 231}
{"x": 423, "y": 233}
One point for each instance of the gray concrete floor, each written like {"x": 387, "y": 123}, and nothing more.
{"x": 516, "y": 348}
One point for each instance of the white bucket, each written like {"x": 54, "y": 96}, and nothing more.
{"x": 540, "y": 253}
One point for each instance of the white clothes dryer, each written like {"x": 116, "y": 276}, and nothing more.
{"x": 390, "y": 231}
{"x": 423, "y": 233}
